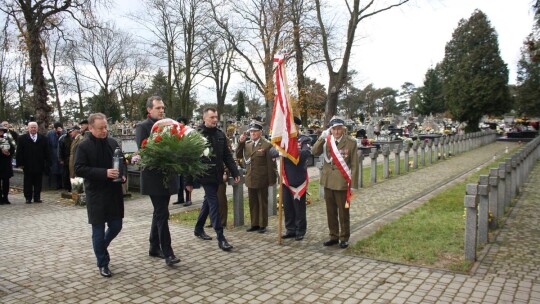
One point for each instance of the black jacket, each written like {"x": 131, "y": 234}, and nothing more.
{"x": 6, "y": 169}
{"x": 34, "y": 156}
{"x": 104, "y": 198}
{"x": 219, "y": 155}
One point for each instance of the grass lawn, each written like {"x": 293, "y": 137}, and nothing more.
{"x": 190, "y": 217}
{"x": 431, "y": 235}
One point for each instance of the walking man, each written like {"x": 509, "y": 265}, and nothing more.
{"x": 152, "y": 185}
{"x": 104, "y": 198}
{"x": 210, "y": 180}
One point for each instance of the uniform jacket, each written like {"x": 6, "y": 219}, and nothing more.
{"x": 64, "y": 148}
{"x": 220, "y": 156}
{"x": 261, "y": 171}
{"x": 6, "y": 169}
{"x": 33, "y": 156}
{"x": 296, "y": 174}
{"x": 104, "y": 198}
{"x": 152, "y": 179}
{"x": 331, "y": 177}
{"x": 73, "y": 147}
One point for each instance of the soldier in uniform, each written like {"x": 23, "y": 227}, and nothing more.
{"x": 258, "y": 154}
{"x": 295, "y": 184}
{"x": 339, "y": 176}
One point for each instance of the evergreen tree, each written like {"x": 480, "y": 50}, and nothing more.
{"x": 475, "y": 76}
{"x": 431, "y": 99}
{"x": 528, "y": 82}
{"x": 240, "y": 104}
{"x": 99, "y": 103}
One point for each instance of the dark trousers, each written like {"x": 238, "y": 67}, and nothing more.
{"x": 32, "y": 185}
{"x": 210, "y": 207}
{"x": 223, "y": 209}
{"x": 338, "y": 216}
{"x": 295, "y": 212}
{"x": 101, "y": 239}
{"x": 182, "y": 189}
{"x": 160, "y": 236}
{"x": 57, "y": 178}
{"x": 258, "y": 206}
{"x": 65, "y": 176}
{"x": 4, "y": 191}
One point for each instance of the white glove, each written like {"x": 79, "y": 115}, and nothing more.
{"x": 324, "y": 134}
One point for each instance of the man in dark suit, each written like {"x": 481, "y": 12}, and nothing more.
{"x": 258, "y": 155}
{"x": 104, "y": 197}
{"x": 152, "y": 185}
{"x": 33, "y": 157}
{"x": 213, "y": 177}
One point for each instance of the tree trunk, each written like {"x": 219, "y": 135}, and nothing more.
{"x": 39, "y": 87}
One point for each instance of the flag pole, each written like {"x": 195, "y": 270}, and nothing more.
{"x": 280, "y": 200}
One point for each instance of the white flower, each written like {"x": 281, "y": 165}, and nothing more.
{"x": 206, "y": 152}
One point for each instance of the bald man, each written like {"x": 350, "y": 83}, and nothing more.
{"x": 33, "y": 158}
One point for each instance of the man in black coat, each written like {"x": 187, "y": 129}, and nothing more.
{"x": 33, "y": 158}
{"x": 7, "y": 149}
{"x": 152, "y": 185}
{"x": 104, "y": 198}
{"x": 210, "y": 181}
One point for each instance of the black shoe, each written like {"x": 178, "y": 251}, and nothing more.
{"x": 299, "y": 237}
{"x": 253, "y": 228}
{"x": 343, "y": 244}
{"x": 38, "y": 201}
{"x": 177, "y": 203}
{"x": 287, "y": 236}
{"x": 7, "y": 202}
{"x": 171, "y": 260}
{"x": 225, "y": 246}
{"x": 187, "y": 204}
{"x": 262, "y": 230}
{"x": 105, "y": 272}
{"x": 28, "y": 201}
{"x": 156, "y": 254}
{"x": 202, "y": 235}
{"x": 330, "y": 242}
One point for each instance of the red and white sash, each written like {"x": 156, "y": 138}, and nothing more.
{"x": 296, "y": 191}
{"x": 339, "y": 161}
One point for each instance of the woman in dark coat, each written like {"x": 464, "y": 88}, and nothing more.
{"x": 104, "y": 198}
{"x": 7, "y": 149}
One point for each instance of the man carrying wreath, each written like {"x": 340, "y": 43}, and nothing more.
{"x": 339, "y": 176}
{"x": 152, "y": 185}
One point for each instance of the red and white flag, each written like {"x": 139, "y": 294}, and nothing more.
{"x": 284, "y": 133}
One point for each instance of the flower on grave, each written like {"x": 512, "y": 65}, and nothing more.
{"x": 174, "y": 148}
{"x": 77, "y": 184}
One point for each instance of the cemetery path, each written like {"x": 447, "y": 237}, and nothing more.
{"x": 47, "y": 256}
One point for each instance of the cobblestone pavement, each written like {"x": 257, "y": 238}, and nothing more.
{"x": 47, "y": 256}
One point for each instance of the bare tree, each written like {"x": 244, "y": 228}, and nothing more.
{"x": 131, "y": 84}
{"x": 32, "y": 19}
{"x": 219, "y": 59}
{"x": 338, "y": 75}
{"x": 105, "y": 50}
{"x": 52, "y": 44}
{"x": 71, "y": 79}
{"x": 255, "y": 30}
{"x": 6, "y": 69}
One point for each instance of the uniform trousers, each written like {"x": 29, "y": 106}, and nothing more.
{"x": 210, "y": 207}
{"x": 32, "y": 185}
{"x": 223, "y": 209}
{"x": 295, "y": 213}
{"x": 160, "y": 236}
{"x": 338, "y": 216}
{"x": 101, "y": 239}
{"x": 258, "y": 206}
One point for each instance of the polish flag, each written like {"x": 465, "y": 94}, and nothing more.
{"x": 284, "y": 133}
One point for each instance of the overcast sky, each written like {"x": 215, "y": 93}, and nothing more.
{"x": 399, "y": 45}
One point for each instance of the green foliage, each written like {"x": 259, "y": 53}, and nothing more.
{"x": 475, "y": 76}
{"x": 106, "y": 104}
{"x": 430, "y": 98}
{"x": 528, "y": 82}
{"x": 240, "y": 104}
{"x": 166, "y": 149}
